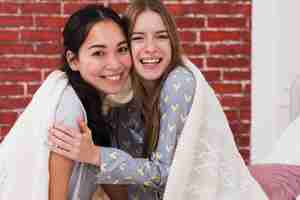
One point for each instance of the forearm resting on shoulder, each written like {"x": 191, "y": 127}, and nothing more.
{"x": 60, "y": 170}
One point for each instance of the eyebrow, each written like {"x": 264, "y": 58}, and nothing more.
{"x": 104, "y": 46}
{"x": 141, "y": 33}
{"x": 162, "y": 31}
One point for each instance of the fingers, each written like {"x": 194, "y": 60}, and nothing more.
{"x": 63, "y": 152}
{"x": 83, "y": 127}
{"x": 68, "y": 131}
{"x": 64, "y": 137}
{"x": 57, "y": 138}
{"x": 67, "y": 147}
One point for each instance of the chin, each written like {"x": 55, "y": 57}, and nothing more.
{"x": 152, "y": 76}
{"x": 113, "y": 91}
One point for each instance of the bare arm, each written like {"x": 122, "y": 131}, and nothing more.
{"x": 60, "y": 170}
{"x": 116, "y": 192}
{"x": 60, "y": 167}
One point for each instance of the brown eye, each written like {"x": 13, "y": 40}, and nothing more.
{"x": 98, "y": 53}
{"x": 123, "y": 49}
{"x": 136, "y": 38}
{"x": 163, "y": 36}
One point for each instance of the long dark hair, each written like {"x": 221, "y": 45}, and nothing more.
{"x": 75, "y": 32}
{"x": 151, "y": 111}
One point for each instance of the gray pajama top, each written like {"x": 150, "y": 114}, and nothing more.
{"x": 147, "y": 177}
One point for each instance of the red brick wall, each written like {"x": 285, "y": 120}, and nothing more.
{"x": 215, "y": 34}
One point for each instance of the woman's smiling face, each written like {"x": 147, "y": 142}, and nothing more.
{"x": 104, "y": 59}
{"x": 151, "y": 47}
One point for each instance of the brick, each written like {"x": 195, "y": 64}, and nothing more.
{"x": 223, "y": 88}
{"x": 214, "y": 36}
{"x": 8, "y": 117}
{"x": 41, "y": 63}
{"x": 246, "y": 115}
{"x": 212, "y": 75}
{"x": 246, "y": 36}
{"x": 12, "y": 21}
{"x": 247, "y": 89}
{"x": 245, "y": 153}
{"x": 7, "y": 36}
{"x": 31, "y": 89}
{"x": 16, "y": 48}
{"x": 7, "y": 90}
{"x": 6, "y": 7}
{"x": 4, "y": 130}
{"x": 40, "y": 8}
{"x": 70, "y": 7}
{"x": 233, "y": 49}
{"x": 53, "y": 22}
{"x": 232, "y": 115}
{"x": 7, "y": 63}
{"x": 34, "y": 63}
{"x": 20, "y": 76}
{"x": 190, "y": 22}
{"x": 235, "y": 128}
{"x": 245, "y": 128}
{"x": 230, "y": 101}
{"x": 227, "y": 22}
{"x": 194, "y": 49}
{"x": 229, "y": 8}
{"x": 198, "y": 62}
{"x": 244, "y": 140}
{"x": 49, "y": 49}
{"x": 14, "y": 103}
{"x": 179, "y": 10}
{"x": 237, "y": 76}
{"x": 187, "y": 36}
{"x": 228, "y": 62}
{"x": 41, "y": 35}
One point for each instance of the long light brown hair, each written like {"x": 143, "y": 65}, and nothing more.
{"x": 150, "y": 102}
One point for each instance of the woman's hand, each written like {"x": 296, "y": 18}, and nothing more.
{"x": 74, "y": 145}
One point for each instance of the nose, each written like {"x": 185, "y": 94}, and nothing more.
{"x": 150, "y": 46}
{"x": 113, "y": 63}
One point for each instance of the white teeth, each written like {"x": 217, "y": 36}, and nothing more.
{"x": 150, "y": 60}
{"x": 113, "y": 78}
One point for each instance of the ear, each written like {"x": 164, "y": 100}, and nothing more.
{"x": 72, "y": 60}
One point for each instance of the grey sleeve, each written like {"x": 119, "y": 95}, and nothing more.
{"x": 69, "y": 109}
{"x": 118, "y": 167}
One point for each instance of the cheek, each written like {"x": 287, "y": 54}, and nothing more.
{"x": 126, "y": 60}
{"x": 92, "y": 67}
{"x": 167, "y": 49}
{"x": 135, "y": 51}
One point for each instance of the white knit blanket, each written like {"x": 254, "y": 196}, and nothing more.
{"x": 207, "y": 164}
{"x": 24, "y": 152}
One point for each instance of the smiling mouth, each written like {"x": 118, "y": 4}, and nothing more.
{"x": 115, "y": 77}
{"x": 150, "y": 61}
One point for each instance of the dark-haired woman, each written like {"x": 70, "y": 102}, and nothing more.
{"x": 95, "y": 73}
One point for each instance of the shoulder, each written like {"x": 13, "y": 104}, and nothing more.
{"x": 179, "y": 80}
{"x": 69, "y": 108}
{"x": 178, "y": 90}
{"x": 69, "y": 98}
